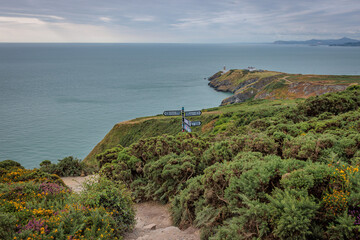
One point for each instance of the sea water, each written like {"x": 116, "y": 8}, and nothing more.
{"x": 58, "y": 100}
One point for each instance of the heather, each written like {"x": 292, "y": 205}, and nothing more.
{"x": 37, "y": 205}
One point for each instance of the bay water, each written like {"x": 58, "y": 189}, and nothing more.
{"x": 58, "y": 100}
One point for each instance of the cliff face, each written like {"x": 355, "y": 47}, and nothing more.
{"x": 276, "y": 85}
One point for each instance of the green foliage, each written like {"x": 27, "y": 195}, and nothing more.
{"x": 108, "y": 156}
{"x": 333, "y": 103}
{"x": 116, "y": 172}
{"x": 291, "y": 213}
{"x": 68, "y": 166}
{"x": 343, "y": 228}
{"x": 219, "y": 152}
{"x": 167, "y": 176}
{"x": 8, "y": 164}
{"x": 7, "y": 225}
{"x": 112, "y": 196}
{"x": 187, "y": 203}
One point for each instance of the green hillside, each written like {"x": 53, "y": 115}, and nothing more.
{"x": 263, "y": 169}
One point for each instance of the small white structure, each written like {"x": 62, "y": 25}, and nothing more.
{"x": 251, "y": 69}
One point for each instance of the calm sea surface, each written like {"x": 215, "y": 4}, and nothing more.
{"x": 58, "y": 100}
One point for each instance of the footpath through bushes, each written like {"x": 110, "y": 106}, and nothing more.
{"x": 290, "y": 172}
{"x": 38, "y": 205}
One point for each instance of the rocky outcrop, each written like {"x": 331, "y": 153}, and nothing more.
{"x": 248, "y": 89}
{"x": 215, "y": 76}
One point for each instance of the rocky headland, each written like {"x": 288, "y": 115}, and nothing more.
{"x": 261, "y": 84}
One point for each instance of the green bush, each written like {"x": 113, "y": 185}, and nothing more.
{"x": 68, "y": 166}
{"x": 343, "y": 228}
{"x": 112, "y": 196}
{"x": 108, "y": 156}
{"x": 7, "y": 225}
{"x": 168, "y": 175}
{"x": 187, "y": 203}
{"x": 292, "y": 213}
{"x": 302, "y": 147}
{"x": 219, "y": 152}
{"x": 9, "y": 164}
{"x": 334, "y": 103}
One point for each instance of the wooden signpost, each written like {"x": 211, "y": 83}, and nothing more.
{"x": 186, "y": 124}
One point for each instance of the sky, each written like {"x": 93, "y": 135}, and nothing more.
{"x": 177, "y": 21}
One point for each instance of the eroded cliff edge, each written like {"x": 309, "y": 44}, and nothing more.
{"x": 262, "y": 84}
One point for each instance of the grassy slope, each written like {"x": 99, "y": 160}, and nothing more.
{"x": 237, "y": 76}
{"x": 233, "y": 78}
{"x": 128, "y": 132}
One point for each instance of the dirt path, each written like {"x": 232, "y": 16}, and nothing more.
{"x": 286, "y": 79}
{"x": 153, "y": 220}
{"x": 75, "y": 183}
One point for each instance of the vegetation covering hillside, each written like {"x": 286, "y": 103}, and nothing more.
{"x": 267, "y": 169}
{"x": 37, "y": 205}
{"x": 260, "y": 84}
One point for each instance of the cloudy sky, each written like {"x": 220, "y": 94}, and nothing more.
{"x": 198, "y": 21}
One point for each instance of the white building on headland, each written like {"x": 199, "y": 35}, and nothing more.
{"x": 251, "y": 69}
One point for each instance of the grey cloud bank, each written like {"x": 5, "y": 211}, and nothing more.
{"x": 177, "y": 21}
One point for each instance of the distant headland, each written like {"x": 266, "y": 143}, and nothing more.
{"x": 251, "y": 83}
{"x": 330, "y": 42}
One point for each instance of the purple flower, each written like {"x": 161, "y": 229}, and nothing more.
{"x": 35, "y": 225}
{"x": 51, "y": 188}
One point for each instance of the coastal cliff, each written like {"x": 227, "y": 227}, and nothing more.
{"x": 260, "y": 84}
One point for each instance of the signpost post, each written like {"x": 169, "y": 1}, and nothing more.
{"x": 186, "y": 124}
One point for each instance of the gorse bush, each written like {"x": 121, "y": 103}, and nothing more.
{"x": 68, "y": 166}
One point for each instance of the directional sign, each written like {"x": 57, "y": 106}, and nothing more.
{"x": 187, "y": 122}
{"x": 195, "y": 123}
{"x": 192, "y": 113}
{"x": 187, "y": 128}
{"x": 172, "y": 113}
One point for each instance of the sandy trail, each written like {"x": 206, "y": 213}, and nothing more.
{"x": 153, "y": 220}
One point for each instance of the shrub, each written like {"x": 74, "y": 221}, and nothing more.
{"x": 167, "y": 176}
{"x": 7, "y": 225}
{"x": 112, "y": 196}
{"x": 292, "y": 213}
{"x": 219, "y": 152}
{"x": 68, "y": 166}
{"x": 343, "y": 228}
{"x": 261, "y": 178}
{"x": 116, "y": 172}
{"x": 8, "y": 164}
{"x": 108, "y": 156}
{"x": 187, "y": 203}
{"x": 334, "y": 103}
{"x": 302, "y": 147}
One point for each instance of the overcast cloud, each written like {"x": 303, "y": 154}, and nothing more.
{"x": 177, "y": 21}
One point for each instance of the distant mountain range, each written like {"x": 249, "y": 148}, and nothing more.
{"x": 331, "y": 42}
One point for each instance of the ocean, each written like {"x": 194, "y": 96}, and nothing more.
{"x": 59, "y": 100}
